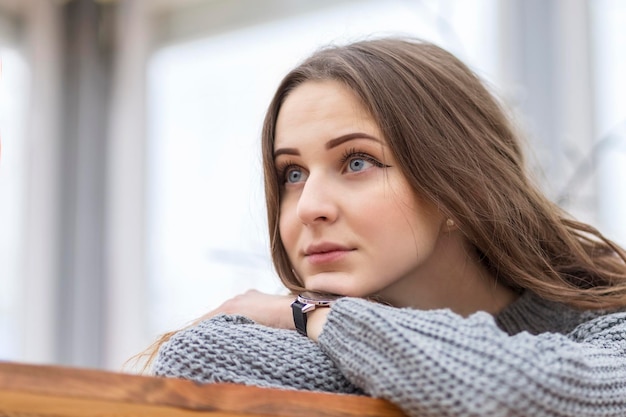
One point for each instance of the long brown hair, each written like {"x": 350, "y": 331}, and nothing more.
{"x": 457, "y": 147}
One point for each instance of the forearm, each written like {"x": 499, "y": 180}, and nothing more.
{"x": 437, "y": 363}
{"x": 236, "y": 349}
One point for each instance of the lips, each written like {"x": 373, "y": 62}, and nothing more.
{"x": 326, "y": 253}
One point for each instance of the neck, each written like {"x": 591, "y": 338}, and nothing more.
{"x": 457, "y": 281}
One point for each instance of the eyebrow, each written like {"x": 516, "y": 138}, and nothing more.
{"x": 330, "y": 144}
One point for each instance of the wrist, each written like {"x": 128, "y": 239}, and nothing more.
{"x": 316, "y": 322}
{"x": 285, "y": 315}
{"x": 307, "y": 303}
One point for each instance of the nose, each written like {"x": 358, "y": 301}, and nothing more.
{"x": 317, "y": 202}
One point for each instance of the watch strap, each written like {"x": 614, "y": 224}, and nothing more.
{"x": 299, "y": 316}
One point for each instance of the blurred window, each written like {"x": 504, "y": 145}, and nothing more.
{"x": 608, "y": 19}
{"x": 13, "y": 93}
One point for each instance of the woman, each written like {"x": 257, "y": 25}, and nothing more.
{"x": 394, "y": 180}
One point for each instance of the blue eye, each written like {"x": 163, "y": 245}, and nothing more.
{"x": 358, "y": 164}
{"x": 294, "y": 175}
{"x": 355, "y": 161}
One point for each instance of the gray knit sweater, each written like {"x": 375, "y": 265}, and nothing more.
{"x": 536, "y": 358}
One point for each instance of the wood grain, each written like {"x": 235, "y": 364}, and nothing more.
{"x": 37, "y": 390}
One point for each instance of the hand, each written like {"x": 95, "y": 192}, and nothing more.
{"x": 266, "y": 309}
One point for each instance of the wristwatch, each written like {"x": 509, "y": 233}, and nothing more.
{"x": 307, "y": 302}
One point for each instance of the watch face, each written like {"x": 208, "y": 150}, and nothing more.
{"x": 310, "y": 297}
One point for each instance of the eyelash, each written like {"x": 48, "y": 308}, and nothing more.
{"x": 354, "y": 153}
{"x": 282, "y": 168}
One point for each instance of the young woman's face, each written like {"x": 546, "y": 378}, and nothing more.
{"x": 349, "y": 221}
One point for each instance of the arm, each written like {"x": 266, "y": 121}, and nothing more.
{"x": 439, "y": 363}
{"x": 236, "y": 349}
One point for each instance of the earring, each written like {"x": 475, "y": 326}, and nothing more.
{"x": 450, "y": 223}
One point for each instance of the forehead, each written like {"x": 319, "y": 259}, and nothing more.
{"x": 322, "y": 108}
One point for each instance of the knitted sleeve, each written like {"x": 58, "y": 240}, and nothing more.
{"x": 436, "y": 363}
{"x": 236, "y": 349}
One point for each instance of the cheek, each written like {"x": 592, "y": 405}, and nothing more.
{"x": 403, "y": 219}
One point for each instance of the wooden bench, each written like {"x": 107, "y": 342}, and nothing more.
{"x": 47, "y": 391}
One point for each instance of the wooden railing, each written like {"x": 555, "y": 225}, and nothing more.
{"x": 47, "y": 391}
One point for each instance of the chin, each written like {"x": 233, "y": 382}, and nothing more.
{"x": 334, "y": 284}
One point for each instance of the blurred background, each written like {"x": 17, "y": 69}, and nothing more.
{"x": 130, "y": 179}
